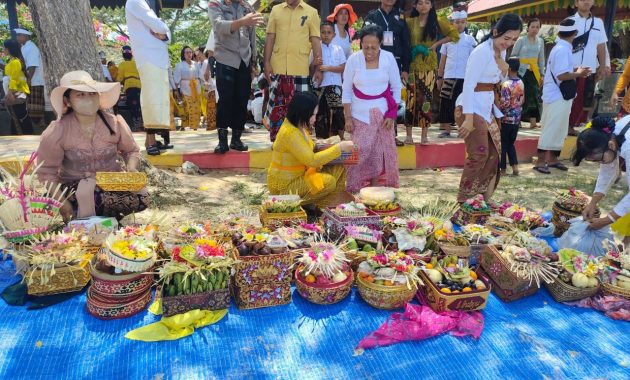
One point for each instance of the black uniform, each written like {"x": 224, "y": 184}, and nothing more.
{"x": 392, "y": 21}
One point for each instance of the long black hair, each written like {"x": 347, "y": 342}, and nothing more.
{"x": 15, "y": 50}
{"x": 594, "y": 140}
{"x": 301, "y": 108}
{"x": 100, "y": 114}
{"x": 507, "y": 22}
{"x": 430, "y": 31}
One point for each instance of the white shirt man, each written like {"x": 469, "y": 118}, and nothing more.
{"x": 587, "y": 57}
{"x": 32, "y": 58}
{"x": 457, "y": 54}
{"x": 148, "y": 37}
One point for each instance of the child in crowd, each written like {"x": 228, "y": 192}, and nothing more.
{"x": 330, "y": 120}
{"x": 511, "y": 104}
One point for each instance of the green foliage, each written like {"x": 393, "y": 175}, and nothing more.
{"x": 24, "y": 21}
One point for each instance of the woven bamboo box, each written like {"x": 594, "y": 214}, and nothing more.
{"x": 276, "y": 220}
{"x": 65, "y": 280}
{"x": 261, "y": 295}
{"x": 211, "y": 300}
{"x": 259, "y": 270}
{"x": 505, "y": 284}
{"x": 336, "y": 224}
{"x": 121, "y": 181}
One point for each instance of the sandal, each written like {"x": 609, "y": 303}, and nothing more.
{"x": 399, "y": 143}
{"x": 559, "y": 166}
{"x": 542, "y": 169}
{"x": 161, "y": 146}
{"x": 444, "y": 135}
{"x": 153, "y": 150}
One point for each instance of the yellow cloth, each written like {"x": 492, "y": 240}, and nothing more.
{"x": 17, "y": 79}
{"x": 113, "y": 71}
{"x": 622, "y": 226}
{"x": 622, "y": 84}
{"x": 428, "y": 63}
{"x": 294, "y": 168}
{"x": 176, "y": 327}
{"x": 128, "y": 75}
{"x": 533, "y": 66}
{"x": 292, "y": 45}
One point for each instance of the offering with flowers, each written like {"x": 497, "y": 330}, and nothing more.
{"x": 476, "y": 204}
{"x": 473, "y": 211}
{"x": 197, "y": 267}
{"x": 379, "y": 199}
{"x": 132, "y": 248}
{"x": 523, "y": 217}
{"x": 350, "y": 209}
{"x": 49, "y": 252}
{"x": 190, "y": 231}
{"x": 389, "y": 268}
{"x": 258, "y": 242}
{"x": 283, "y": 204}
{"x": 477, "y": 234}
{"x": 615, "y": 268}
{"x": 406, "y": 234}
{"x": 578, "y": 269}
{"x": 323, "y": 264}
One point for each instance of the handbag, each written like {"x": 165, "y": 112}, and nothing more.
{"x": 579, "y": 43}
{"x": 568, "y": 88}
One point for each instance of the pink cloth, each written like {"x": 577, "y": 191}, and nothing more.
{"x": 420, "y": 322}
{"x": 614, "y": 307}
{"x": 392, "y": 107}
{"x": 377, "y": 154}
{"x": 69, "y": 156}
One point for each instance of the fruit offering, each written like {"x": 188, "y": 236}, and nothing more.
{"x": 191, "y": 231}
{"x": 578, "y": 269}
{"x": 283, "y": 204}
{"x": 572, "y": 200}
{"x": 350, "y": 209}
{"x": 390, "y": 269}
{"x": 256, "y": 242}
{"x": 452, "y": 275}
{"x": 323, "y": 264}
{"x": 294, "y": 238}
{"x": 379, "y": 199}
{"x": 405, "y": 234}
{"x": 616, "y": 266}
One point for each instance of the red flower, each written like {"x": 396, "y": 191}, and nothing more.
{"x": 176, "y": 256}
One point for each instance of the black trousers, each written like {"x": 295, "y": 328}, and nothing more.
{"x": 234, "y": 87}
{"x": 133, "y": 102}
{"x": 20, "y": 116}
{"x": 508, "y": 137}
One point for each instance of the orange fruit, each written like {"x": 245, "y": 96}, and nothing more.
{"x": 310, "y": 278}
{"x": 467, "y": 289}
{"x": 388, "y": 283}
{"x": 363, "y": 274}
{"x": 369, "y": 279}
{"x": 445, "y": 290}
{"x": 473, "y": 275}
{"x": 428, "y": 266}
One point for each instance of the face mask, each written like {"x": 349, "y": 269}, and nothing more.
{"x": 86, "y": 106}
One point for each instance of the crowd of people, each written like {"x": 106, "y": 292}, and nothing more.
{"x": 313, "y": 83}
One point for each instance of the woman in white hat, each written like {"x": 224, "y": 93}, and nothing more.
{"x": 85, "y": 140}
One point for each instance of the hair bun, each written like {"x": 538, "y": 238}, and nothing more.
{"x": 604, "y": 124}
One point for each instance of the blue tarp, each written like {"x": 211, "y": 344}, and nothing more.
{"x": 527, "y": 339}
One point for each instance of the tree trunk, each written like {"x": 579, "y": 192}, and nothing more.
{"x": 67, "y": 40}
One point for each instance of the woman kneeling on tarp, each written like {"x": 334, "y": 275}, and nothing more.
{"x": 605, "y": 142}
{"x": 295, "y": 168}
{"x": 85, "y": 140}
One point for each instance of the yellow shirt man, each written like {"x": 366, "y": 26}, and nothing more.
{"x": 128, "y": 75}
{"x": 292, "y": 27}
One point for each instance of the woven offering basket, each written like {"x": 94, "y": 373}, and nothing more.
{"x": 505, "y": 283}
{"x": 385, "y": 214}
{"x": 563, "y": 292}
{"x": 438, "y": 301}
{"x": 464, "y": 217}
{"x": 560, "y": 219}
{"x": 462, "y": 251}
{"x": 385, "y": 297}
{"x": 615, "y": 290}
{"x": 121, "y": 181}
{"x": 261, "y": 295}
{"x": 129, "y": 265}
{"x": 323, "y": 294}
{"x": 277, "y": 220}
{"x": 119, "y": 285}
{"x": 63, "y": 281}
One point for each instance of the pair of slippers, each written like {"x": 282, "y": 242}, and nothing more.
{"x": 155, "y": 150}
{"x": 545, "y": 169}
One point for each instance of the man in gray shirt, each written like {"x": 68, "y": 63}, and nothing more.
{"x": 234, "y": 23}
